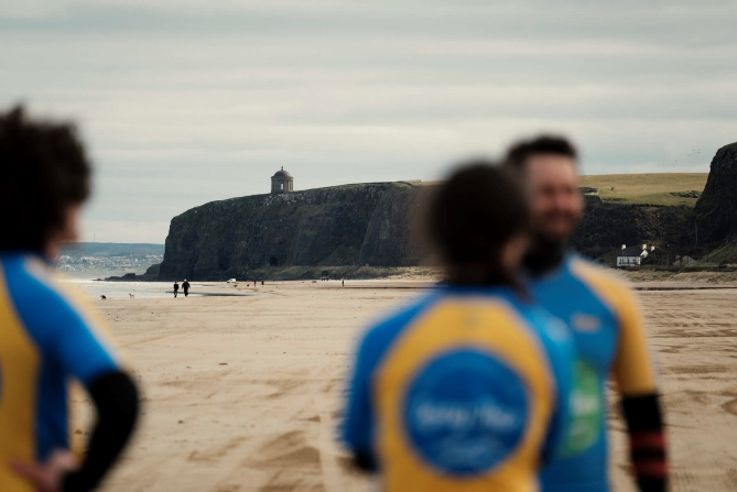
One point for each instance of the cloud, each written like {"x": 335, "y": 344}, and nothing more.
{"x": 183, "y": 102}
{"x": 136, "y": 231}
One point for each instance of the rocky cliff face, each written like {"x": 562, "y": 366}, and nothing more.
{"x": 608, "y": 225}
{"x": 716, "y": 210}
{"x": 344, "y": 225}
{"x": 366, "y": 224}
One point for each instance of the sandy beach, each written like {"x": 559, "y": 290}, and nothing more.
{"x": 243, "y": 393}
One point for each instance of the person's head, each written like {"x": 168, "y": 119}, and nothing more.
{"x": 548, "y": 168}
{"x": 45, "y": 180}
{"x": 477, "y": 220}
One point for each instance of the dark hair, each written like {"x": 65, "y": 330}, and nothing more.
{"x": 471, "y": 217}
{"x": 520, "y": 152}
{"x": 44, "y": 170}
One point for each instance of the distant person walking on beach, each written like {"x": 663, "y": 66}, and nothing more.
{"x": 603, "y": 316}
{"x": 466, "y": 388}
{"x": 176, "y": 289}
{"x": 185, "y": 287}
{"x": 49, "y": 333}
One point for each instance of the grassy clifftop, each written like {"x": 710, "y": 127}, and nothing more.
{"x": 665, "y": 189}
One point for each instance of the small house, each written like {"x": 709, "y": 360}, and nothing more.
{"x": 633, "y": 256}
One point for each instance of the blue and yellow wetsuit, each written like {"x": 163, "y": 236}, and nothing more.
{"x": 607, "y": 328}
{"x": 464, "y": 390}
{"x": 47, "y": 338}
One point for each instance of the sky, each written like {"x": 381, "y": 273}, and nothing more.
{"x": 185, "y": 102}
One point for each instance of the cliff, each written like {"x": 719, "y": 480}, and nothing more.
{"x": 374, "y": 224}
{"x": 716, "y": 210}
{"x": 363, "y": 224}
{"x": 608, "y": 225}
{"x": 367, "y": 224}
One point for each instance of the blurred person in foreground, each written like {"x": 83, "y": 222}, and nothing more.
{"x": 48, "y": 335}
{"x": 606, "y": 324}
{"x": 466, "y": 388}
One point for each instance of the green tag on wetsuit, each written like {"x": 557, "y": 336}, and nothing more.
{"x": 586, "y": 410}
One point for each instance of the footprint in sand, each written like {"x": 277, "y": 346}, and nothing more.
{"x": 287, "y": 450}
{"x": 215, "y": 454}
{"x": 730, "y": 406}
{"x": 295, "y": 464}
{"x": 283, "y": 386}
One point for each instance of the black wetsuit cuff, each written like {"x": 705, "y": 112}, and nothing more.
{"x": 116, "y": 400}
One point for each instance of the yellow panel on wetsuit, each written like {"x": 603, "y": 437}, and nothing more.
{"x": 47, "y": 338}
{"x": 19, "y": 367}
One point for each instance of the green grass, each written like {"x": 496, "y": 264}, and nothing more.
{"x": 726, "y": 253}
{"x": 647, "y": 189}
{"x": 641, "y": 189}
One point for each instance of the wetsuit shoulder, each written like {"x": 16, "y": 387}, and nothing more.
{"x": 60, "y": 320}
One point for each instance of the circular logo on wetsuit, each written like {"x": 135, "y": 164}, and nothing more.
{"x": 465, "y": 412}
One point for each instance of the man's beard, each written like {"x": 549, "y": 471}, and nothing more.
{"x": 545, "y": 254}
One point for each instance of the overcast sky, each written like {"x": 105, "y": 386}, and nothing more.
{"x": 183, "y": 102}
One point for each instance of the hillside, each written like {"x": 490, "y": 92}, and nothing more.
{"x": 723, "y": 254}
{"x": 716, "y": 210}
{"x": 660, "y": 189}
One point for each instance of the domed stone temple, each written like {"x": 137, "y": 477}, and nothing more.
{"x": 282, "y": 182}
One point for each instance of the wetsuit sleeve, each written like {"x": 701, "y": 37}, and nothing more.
{"x": 116, "y": 401}
{"x": 79, "y": 348}
{"x": 358, "y": 424}
{"x": 635, "y": 377}
{"x": 633, "y": 369}
{"x": 645, "y": 429}
{"x": 561, "y": 355}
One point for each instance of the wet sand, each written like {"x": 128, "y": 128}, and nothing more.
{"x": 243, "y": 393}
